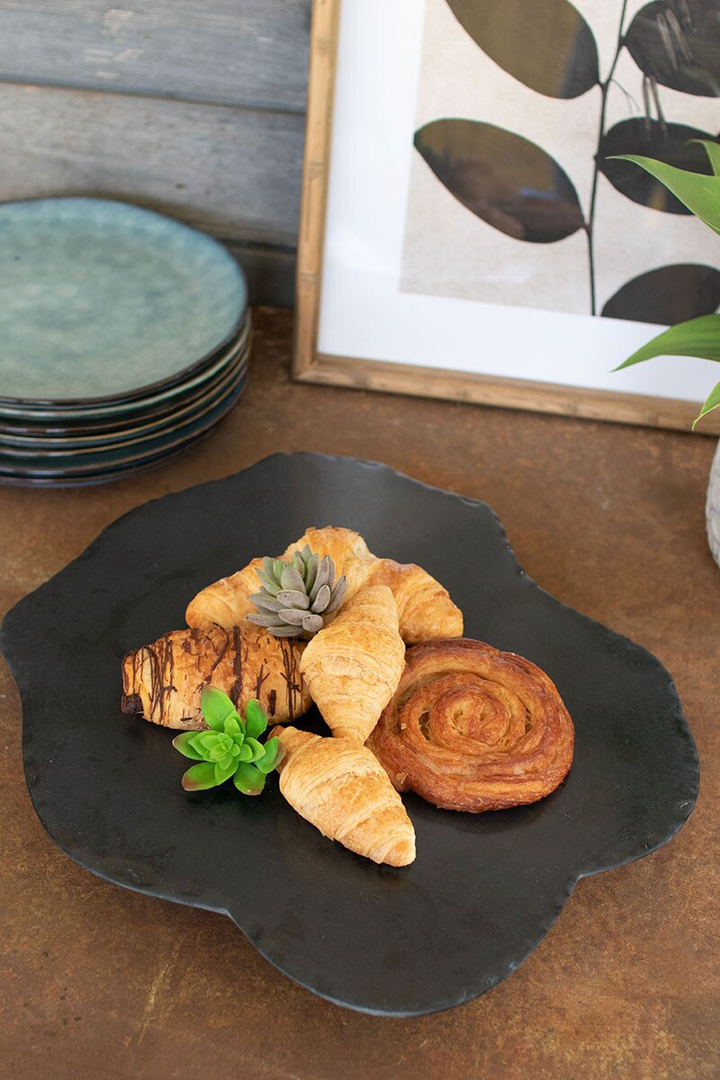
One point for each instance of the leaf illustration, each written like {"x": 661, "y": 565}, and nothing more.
{"x": 677, "y": 43}
{"x": 669, "y": 143}
{"x": 548, "y": 46}
{"x": 670, "y": 294}
{"x": 506, "y": 180}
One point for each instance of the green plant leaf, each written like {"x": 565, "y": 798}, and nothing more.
{"x": 255, "y": 719}
{"x": 248, "y": 780}
{"x": 216, "y": 707}
{"x": 246, "y": 753}
{"x": 232, "y": 725}
{"x": 222, "y": 749}
{"x": 183, "y": 744}
{"x": 205, "y": 743}
{"x": 225, "y": 769}
{"x": 700, "y": 193}
{"x": 274, "y": 753}
{"x": 257, "y": 748}
{"x": 199, "y": 777}
{"x": 696, "y": 337}
{"x": 711, "y": 402}
{"x": 712, "y": 149}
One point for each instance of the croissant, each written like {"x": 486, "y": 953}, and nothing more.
{"x": 163, "y": 681}
{"x": 342, "y": 789}
{"x": 424, "y": 606}
{"x": 353, "y": 666}
{"x": 471, "y": 728}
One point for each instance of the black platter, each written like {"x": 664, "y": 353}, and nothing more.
{"x": 483, "y": 890}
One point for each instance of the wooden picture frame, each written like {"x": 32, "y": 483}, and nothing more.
{"x": 313, "y": 366}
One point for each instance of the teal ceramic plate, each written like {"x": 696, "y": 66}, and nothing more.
{"x": 103, "y": 300}
{"x": 21, "y": 419}
{"x": 108, "y": 465}
{"x": 43, "y": 446}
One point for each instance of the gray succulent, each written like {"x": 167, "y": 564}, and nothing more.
{"x": 297, "y": 598}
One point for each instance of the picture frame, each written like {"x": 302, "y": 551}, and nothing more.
{"x": 631, "y": 398}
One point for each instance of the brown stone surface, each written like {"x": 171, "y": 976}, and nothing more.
{"x": 102, "y": 982}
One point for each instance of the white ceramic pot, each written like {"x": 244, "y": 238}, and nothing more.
{"x": 712, "y": 507}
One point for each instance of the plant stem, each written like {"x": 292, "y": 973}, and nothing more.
{"x": 604, "y": 87}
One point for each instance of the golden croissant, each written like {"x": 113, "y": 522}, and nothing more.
{"x": 352, "y": 667}
{"x": 425, "y": 609}
{"x": 164, "y": 681}
{"x": 343, "y": 790}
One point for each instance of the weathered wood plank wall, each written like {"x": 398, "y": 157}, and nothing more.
{"x": 191, "y": 107}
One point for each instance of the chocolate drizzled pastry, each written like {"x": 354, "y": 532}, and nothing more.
{"x": 163, "y": 681}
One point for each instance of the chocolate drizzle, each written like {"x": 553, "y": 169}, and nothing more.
{"x": 235, "y": 692}
{"x": 291, "y": 675}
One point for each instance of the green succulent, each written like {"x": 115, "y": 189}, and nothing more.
{"x": 297, "y": 597}
{"x": 231, "y": 747}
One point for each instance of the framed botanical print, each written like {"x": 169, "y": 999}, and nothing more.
{"x": 467, "y": 229}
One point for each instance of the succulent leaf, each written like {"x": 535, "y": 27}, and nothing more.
{"x": 322, "y": 600}
{"x": 311, "y": 572}
{"x": 322, "y": 576}
{"x": 293, "y": 616}
{"x": 268, "y": 582}
{"x": 312, "y": 623}
{"x": 293, "y": 598}
{"x": 245, "y": 752}
{"x": 232, "y": 726}
{"x": 255, "y": 719}
{"x": 291, "y": 579}
{"x": 274, "y": 752}
{"x": 248, "y": 780}
{"x": 265, "y": 602}
{"x": 205, "y": 742}
{"x": 216, "y": 707}
{"x": 266, "y": 618}
{"x": 258, "y": 750}
{"x": 225, "y": 769}
{"x": 284, "y": 631}
{"x": 338, "y": 595}
{"x": 183, "y": 744}
{"x": 199, "y": 777}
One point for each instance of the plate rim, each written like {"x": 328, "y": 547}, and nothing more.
{"x": 196, "y": 366}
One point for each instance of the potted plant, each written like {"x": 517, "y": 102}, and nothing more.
{"x": 696, "y": 337}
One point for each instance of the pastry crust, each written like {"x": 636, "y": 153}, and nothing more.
{"x": 341, "y": 788}
{"x": 353, "y": 666}
{"x": 163, "y": 681}
{"x": 424, "y": 606}
{"x": 472, "y": 728}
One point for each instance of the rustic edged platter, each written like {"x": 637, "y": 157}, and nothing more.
{"x": 484, "y": 888}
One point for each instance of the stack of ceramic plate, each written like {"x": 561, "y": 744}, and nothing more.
{"x": 124, "y": 337}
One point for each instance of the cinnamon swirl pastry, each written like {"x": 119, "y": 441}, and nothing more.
{"x": 471, "y": 728}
